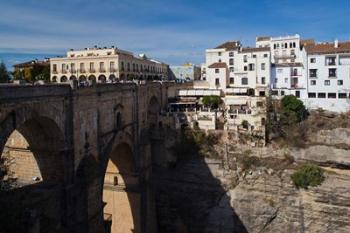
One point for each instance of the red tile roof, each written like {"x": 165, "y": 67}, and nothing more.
{"x": 218, "y": 65}
{"x": 252, "y": 50}
{"x": 229, "y": 45}
{"x": 326, "y": 48}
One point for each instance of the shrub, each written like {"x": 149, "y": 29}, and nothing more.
{"x": 308, "y": 175}
{"x": 212, "y": 101}
{"x": 293, "y": 107}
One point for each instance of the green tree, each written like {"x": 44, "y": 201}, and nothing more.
{"x": 4, "y": 74}
{"x": 212, "y": 101}
{"x": 308, "y": 175}
{"x": 293, "y": 107}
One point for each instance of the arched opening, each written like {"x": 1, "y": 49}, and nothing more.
{"x": 33, "y": 154}
{"x": 82, "y": 78}
{"x": 63, "y": 79}
{"x": 112, "y": 78}
{"x": 102, "y": 79}
{"x": 72, "y": 78}
{"x": 122, "y": 76}
{"x": 54, "y": 79}
{"x": 120, "y": 192}
{"x": 251, "y": 92}
{"x": 92, "y": 78}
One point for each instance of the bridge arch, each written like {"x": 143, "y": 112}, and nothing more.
{"x": 120, "y": 190}
{"x": 35, "y": 146}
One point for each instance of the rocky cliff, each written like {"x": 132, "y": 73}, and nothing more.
{"x": 233, "y": 194}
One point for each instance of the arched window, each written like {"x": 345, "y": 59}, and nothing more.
{"x": 118, "y": 120}
{"x": 294, "y": 45}
{"x": 63, "y": 79}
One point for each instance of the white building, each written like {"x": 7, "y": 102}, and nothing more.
{"x": 328, "y": 74}
{"x": 105, "y": 65}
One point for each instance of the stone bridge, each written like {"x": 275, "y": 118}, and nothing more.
{"x": 82, "y": 157}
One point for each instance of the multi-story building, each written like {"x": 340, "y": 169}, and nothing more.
{"x": 288, "y": 72}
{"x": 105, "y": 65}
{"x": 184, "y": 73}
{"x": 328, "y": 76}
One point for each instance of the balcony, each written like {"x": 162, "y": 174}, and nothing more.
{"x": 284, "y": 56}
{"x": 240, "y": 111}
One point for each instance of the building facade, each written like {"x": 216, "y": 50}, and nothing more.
{"x": 105, "y": 65}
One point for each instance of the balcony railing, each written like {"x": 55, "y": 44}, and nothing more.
{"x": 240, "y": 111}
{"x": 284, "y": 56}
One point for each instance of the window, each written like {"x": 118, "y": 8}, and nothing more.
{"x": 262, "y": 66}
{"x": 285, "y": 80}
{"x": 313, "y": 82}
{"x": 232, "y": 80}
{"x": 217, "y": 71}
{"x": 128, "y": 67}
{"x": 54, "y": 68}
{"x": 251, "y": 67}
{"x": 274, "y": 46}
{"x": 290, "y": 45}
{"x": 232, "y": 69}
{"x": 340, "y": 82}
{"x": 332, "y": 95}
{"x": 342, "y": 95}
{"x": 312, "y": 95}
{"x": 265, "y": 55}
{"x": 63, "y": 68}
{"x": 313, "y": 60}
{"x": 280, "y": 71}
{"x": 217, "y": 81}
{"x": 330, "y": 61}
{"x": 282, "y": 93}
{"x": 297, "y": 94}
{"x": 111, "y": 66}
{"x": 92, "y": 68}
{"x": 231, "y": 62}
{"x": 327, "y": 82}
{"x": 313, "y": 73}
{"x": 231, "y": 54}
{"x": 259, "y": 104}
{"x": 102, "y": 67}
{"x": 294, "y": 45}
{"x": 244, "y": 81}
{"x": 285, "y": 45}
{"x": 219, "y": 53}
{"x": 261, "y": 93}
{"x": 122, "y": 66}
{"x": 254, "y": 55}
{"x": 332, "y": 73}
{"x": 321, "y": 95}
{"x": 263, "y": 80}
{"x": 245, "y": 68}
{"x": 245, "y": 58}
{"x": 219, "y": 60}
{"x": 133, "y": 67}
{"x": 82, "y": 67}
{"x": 274, "y": 92}
{"x": 292, "y": 52}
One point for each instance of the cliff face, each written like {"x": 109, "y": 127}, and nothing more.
{"x": 229, "y": 194}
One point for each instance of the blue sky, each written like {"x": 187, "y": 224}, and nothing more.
{"x": 174, "y": 31}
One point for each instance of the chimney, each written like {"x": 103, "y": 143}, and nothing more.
{"x": 336, "y": 44}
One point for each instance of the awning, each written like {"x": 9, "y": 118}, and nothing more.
{"x": 235, "y": 101}
{"x": 237, "y": 90}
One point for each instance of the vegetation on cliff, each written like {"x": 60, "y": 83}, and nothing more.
{"x": 308, "y": 175}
